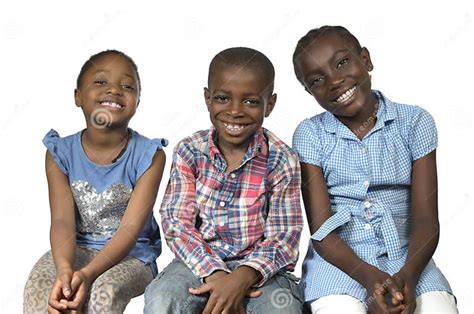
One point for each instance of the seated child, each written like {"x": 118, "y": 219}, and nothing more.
{"x": 231, "y": 213}
{"x": 102, "y": 184}
{"x": 369, "y": 188}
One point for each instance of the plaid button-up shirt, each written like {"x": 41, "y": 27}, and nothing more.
{"x": 251, "y": 214}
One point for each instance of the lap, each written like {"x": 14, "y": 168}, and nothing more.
{"x": 430, "y": 302}
{"x": 168, "y": 293}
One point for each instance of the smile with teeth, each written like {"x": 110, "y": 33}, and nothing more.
{"x": 346, "y": 95}
{"x": 234, "y": 128}
{"x": 111, "y": 104}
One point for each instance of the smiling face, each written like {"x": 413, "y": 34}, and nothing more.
{"x": 108, "y": 92}
{"x": 237, "y": 99}
{"x": 335, "y": 72}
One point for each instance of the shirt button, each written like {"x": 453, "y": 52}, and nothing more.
{"x": 222, "y": 203}
{"x": 365, "y": 150}
{"x": 367, "y": 204}
{"x": 367, "y": 226}
{"x": 232, "y": 175}
{"x": 366, "y": 183}
{"x": 221, "y": 224}
{"x": 226, "y": 247}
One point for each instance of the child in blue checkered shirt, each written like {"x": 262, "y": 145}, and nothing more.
{"x": 370, "y": 188}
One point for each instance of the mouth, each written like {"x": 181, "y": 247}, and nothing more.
{"x": 234, "y": 128}
{"x": 346, "y": 96}
{"x": 111, "y": 104}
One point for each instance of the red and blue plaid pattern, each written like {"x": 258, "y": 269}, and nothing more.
{"x": 251, "y": 214}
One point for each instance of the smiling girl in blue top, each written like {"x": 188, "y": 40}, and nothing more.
{"x": 102, "y": 182}
{"x": 369, "y": 188}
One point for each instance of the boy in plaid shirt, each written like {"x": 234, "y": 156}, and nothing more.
{"x": 231, "y": 213}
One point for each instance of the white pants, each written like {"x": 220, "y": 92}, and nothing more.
{"x": 427, "y": 303}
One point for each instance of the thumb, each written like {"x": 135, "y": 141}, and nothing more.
{"x": 254, "y": 293}
{"x": 66, "y": 285}
{"x": 202, "y": 289}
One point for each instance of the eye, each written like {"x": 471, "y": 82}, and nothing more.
{"x": 100, "y": 82}
{"x": 221, "y": 99}
{"x": 128, "y": 87}
{"x": 317, "y": 81}
{"x": 342, "y": 62}
{"x": 251, "y": 102}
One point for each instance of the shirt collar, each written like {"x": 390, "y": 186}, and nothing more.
{"x": 256, "y": 146}
{"x": 386, "y": 112}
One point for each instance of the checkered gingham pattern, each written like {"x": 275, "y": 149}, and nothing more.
{"x": 368, "y": 183}
{"x": 253, "y": 213}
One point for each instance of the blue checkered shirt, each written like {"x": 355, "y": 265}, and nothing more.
{"x": 368, "y": 182}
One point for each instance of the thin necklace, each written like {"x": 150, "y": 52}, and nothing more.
{"x": 124, "y": 148}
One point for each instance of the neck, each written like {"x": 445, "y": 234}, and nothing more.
{"x": 362, "y": 123}
{"x": 105, "y": 138}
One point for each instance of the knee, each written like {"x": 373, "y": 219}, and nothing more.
{"x": 162, "y": 296}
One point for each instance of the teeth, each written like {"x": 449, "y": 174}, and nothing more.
{"x": 233, "y": 127}
{"x": 346, "y": 95}
{"x": 111, "y": 104}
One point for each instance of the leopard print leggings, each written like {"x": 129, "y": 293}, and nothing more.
{"x": 110, "y": 292}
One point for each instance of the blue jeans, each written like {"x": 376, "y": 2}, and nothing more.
{"x": 168, "y": 293}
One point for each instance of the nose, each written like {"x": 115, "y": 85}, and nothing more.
{"x": 335, "y": 81}
{"x": 235, "y": 109}
{"x": 113, "y": 89}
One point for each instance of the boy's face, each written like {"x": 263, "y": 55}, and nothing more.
{"x": 237, "y": 99}
{"x": 108, "y": 92}
{"x": 336, "y": 74}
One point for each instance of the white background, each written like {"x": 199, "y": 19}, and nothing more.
{"x": 422, "y": 54}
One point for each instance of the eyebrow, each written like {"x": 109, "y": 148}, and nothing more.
{"x": 106, "y": 71}
{"x": 220, "y": 90}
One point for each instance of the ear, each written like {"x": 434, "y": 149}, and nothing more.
{"x": 207, "y": 97}
{"x": 365, "y": 57}
{"x": 270, "y": 104}
{"x": 77, "y": 97}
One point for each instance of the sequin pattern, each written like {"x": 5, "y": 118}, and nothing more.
{"x": 99, "y": 213}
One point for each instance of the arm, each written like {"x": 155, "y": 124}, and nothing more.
{"x": 62, "y": 231}
{"x": 425, "y": 225}
{"x": 178, "y": 215}
{"x": 334, "y": 250}
{"x": 138, "y": 210}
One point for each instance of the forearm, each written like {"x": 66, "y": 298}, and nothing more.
{"x": 422, "y": 245}
{"x": 336, "y": 252}
{"x": 112, "y": 253}
{"x": 63, "y": 244}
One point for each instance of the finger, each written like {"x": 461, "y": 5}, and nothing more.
{"x": 52, "y": 310}
{"x": 76, "y": 281}
{"x": 207, "y": 287}
{"x": 410, "y": 308}
{"x": 395, "y": 290}
{"x": 253, "y": 293}
{"x": 210, "y": 305}
{"x": 78, "y": 298}
{"x": 55, "y": 297}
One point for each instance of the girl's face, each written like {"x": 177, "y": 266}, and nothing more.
{"x": 108, "y": 92}
{"x": 336, "y": 74}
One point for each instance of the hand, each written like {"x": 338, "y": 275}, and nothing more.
{"x": 61, "y": 291}
{"x": 407, "y": 284}
{"x": 80, "y": 285}
{"x": 227, "y": 292}
{"x": 251, "y": 293}
{"x": 381, "y": 287}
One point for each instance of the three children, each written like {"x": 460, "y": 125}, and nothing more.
{"x": 231, "y": 212}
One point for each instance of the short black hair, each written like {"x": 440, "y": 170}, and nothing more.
{"x": 313, "y": 35}
{"x": 94, "y": 58}
{"x": 247, "y": 58}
